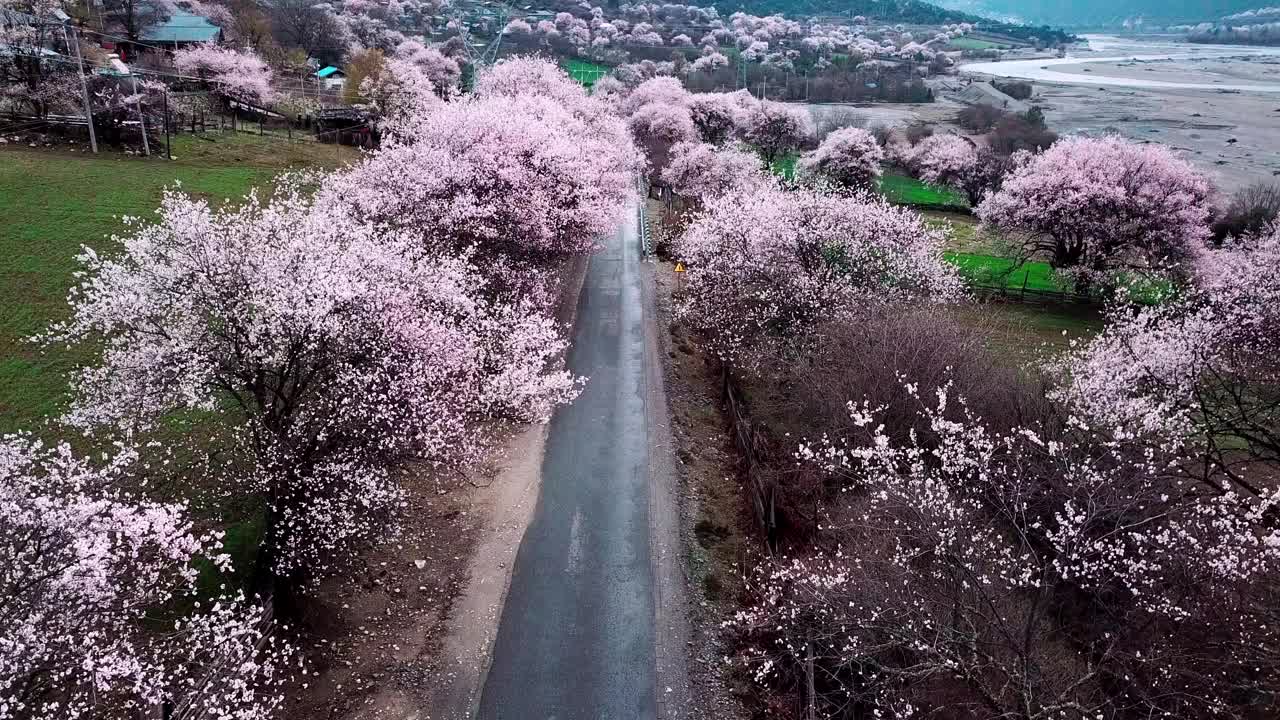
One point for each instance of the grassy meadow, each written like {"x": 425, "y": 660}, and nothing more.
{"x": 55, "y": 201}
{"x": 968, "y": 43}
{"x": 903, "y": 190}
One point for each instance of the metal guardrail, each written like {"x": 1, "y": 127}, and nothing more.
{"x": 643, "y": 219}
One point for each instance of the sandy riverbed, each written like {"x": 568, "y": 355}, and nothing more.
{"x": 1232, "y": 134}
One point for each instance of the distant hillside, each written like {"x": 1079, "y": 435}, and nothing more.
{"x": 1104, "y": 13}
{"x": 912, "y": 12}
{"x": 905, "y": 11}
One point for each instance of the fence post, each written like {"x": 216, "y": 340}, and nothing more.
{"x": 168, "y": 146}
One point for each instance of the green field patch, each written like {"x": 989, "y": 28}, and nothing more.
{"x": 993, "y": 271}
{"x": 903, "y": 190}
{"x": 585, "y": 72}
{"x": 785, "y": 165}
{"x": 967, "y": 43}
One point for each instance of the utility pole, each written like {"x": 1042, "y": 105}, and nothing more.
{"x": 168, "y": 146}
{"x": 142, "y": 122}
{"x": 142, "y": 119}
{"x": 84, "y": 87}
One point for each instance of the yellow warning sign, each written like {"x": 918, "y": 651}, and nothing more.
{"x": 679, "y": 267}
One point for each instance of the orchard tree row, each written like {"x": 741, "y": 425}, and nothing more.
{"x": 297, "y": 352}
{"x": 1090, "y": 536}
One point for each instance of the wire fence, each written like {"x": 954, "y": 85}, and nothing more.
{"x": 125, "y": 127}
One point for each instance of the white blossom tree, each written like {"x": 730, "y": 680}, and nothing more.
{"x": 84, "y": 562}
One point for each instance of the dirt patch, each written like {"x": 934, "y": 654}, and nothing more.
{"x": 716, "y": 527}
{"x": 506, "y": 505}
{"x": 375, "y": 632}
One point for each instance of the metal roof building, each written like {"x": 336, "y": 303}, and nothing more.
{"x": 183, "y": 28}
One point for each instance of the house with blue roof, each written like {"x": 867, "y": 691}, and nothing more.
{"x": 181, "y": 29}
{"x": 331, "y": 78}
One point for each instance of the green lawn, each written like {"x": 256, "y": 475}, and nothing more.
{"x": 585, "y": 72}
{"x": 54, "y": 201}
{"x": 905, "y": 190}
{"x": 993, "y": 271}
{"x": 785, "y": 166}
{"x": 966, "y": 43}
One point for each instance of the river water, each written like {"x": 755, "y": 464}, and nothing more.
{"x": 1108, "y": 49}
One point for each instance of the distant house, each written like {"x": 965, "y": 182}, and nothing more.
{"x": 181, "y": 29}
{"x": 331, "y": 78}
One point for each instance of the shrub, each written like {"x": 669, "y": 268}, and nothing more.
{"x": 1018, "y": 90}
{"x": 918, "y": 131}
{"x": 1015, "y": 132}
{"x": 979, "y": 118}
{"x": 1251, "y": 211}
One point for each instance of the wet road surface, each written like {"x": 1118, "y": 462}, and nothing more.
{"x": 576, "y": 639}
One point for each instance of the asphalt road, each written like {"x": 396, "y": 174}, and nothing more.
{"x": 576, "y": 640}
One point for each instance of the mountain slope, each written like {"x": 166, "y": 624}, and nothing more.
{"x": 905, "y": 11}
{"x": 1075, "y": 13}
{"x": 912, "y": 12}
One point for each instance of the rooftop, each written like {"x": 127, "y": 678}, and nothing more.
{"x": 183, "y": 26}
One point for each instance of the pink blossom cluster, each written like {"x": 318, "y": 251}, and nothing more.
{"x": 1097, "y": 205}
{"x": 659, "y": 116}
{"x": 939, "y": 158}
{"x": 776, "y": 129}
{"x": 766, "y": 266}
{"x": 400, "y": 92}
{"x": 848, "y": 157}
{"x": 957, "y": 162}
{"x": 341, "y": 346}
{"x": 85, "y": 560}
{"x": 442, "y": 71}
{"x": 1195, "y": 370}
{"x": 719, "y": 117}
{"x": 710, "y": 62}
{"x": 661, "y": 113}
{"x": 703, "y": 172}
{"x": 238, "y": 74}
{"x": 362, "y": 24}
{"x": 527, "y": 132}
{"x": 607, "y": 33}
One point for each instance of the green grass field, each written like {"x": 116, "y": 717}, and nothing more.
{"x": 992, "y": 271}
{"x": 966, "y": 43}
{"x": 903, "y": 190}
{"x": 785, "y": 166}
{"x": 54, "y": 201}
{"x": 585, "y": 72}
{"x": 896, "y": 187}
